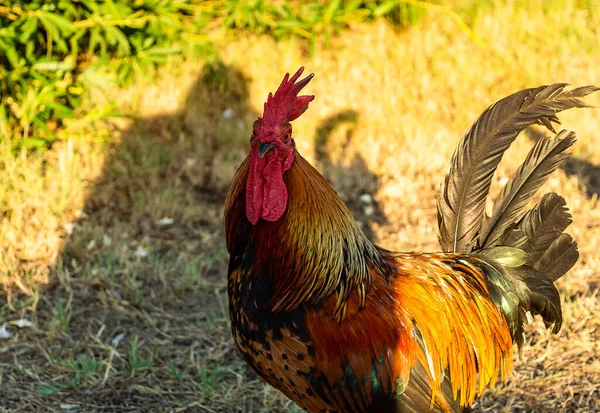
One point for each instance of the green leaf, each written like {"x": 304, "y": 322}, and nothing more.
{"x": 163, "y": 50}
{"x": 4, "y": 128}
{"x": 33, "y": 143}
{"x": 27, "y": 29}
{"x": 116, "y": 37}
{"x": 13, "y": 56}
{"x": 384, "y": 8}
{"x": 57, "y": 24}
{"x": 60, "y": 110}
{"x": 54, "y": 66}
{"x": 330, "y": 10}
{"x": 147, "y": 42}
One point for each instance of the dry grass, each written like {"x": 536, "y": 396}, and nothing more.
{"x": 112, "y": 246}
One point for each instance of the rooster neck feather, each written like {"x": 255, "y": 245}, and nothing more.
{"x": 344, "y": 261}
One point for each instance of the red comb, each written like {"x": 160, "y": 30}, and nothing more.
{"x": 286, "y": 105}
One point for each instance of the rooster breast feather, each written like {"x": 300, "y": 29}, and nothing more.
{"x": 399, "y": 336}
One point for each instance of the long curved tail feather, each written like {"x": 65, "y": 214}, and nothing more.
{"x": 461, "y": 201}
{"x": 521, "y": 252}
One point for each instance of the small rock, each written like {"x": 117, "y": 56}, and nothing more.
{"x": 69, "y": 228}
{"x": 4, "y": 333}
{"x": 366, "y": 198}
{"x": 141, "y": 252}
{"x": 23, "y": 323}
{"x": 80, "y": 214}
{"x": 227, "y": 114}
{"x": 118, "y": 338}
{"x": 163, "y": 222}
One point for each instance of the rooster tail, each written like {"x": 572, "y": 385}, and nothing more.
{"x": 521, "y": 252}
{"x": 461, "y": 202}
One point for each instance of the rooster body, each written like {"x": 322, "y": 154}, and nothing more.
{"x": 341, "y": 325}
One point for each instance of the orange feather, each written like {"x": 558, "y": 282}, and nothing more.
{"x": 385, "y": 317}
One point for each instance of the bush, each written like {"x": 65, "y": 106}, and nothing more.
{"x": 52, "y": 52}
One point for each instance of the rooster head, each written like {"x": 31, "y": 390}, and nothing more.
{"x": 272, "y": 150}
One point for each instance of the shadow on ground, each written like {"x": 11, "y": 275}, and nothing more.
{"x": 348, "y": 173}
{"x": 136, "y": 317}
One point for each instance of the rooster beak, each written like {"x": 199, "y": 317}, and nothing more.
{"x": 264, "y": 147}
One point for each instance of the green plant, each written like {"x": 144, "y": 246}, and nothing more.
{"x": 137, "y": 363}
{"x": 62, "y": 313}
{"x": 54, "y": 52}
{"x": 85, "y": 366}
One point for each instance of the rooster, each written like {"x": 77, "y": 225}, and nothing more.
{"x": 339, "y": 324}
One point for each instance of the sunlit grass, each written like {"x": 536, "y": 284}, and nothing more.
{"x": 113, "y": 243}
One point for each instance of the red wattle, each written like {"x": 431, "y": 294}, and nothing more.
{"x": 266, "y": 193}
{"x": 275, "y": 193}
{"x": 254, "y": 188}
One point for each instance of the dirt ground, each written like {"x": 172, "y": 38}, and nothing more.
{"x": 115, "y": 266}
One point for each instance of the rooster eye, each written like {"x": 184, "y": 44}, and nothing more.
{"x": 286, "y": 137}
